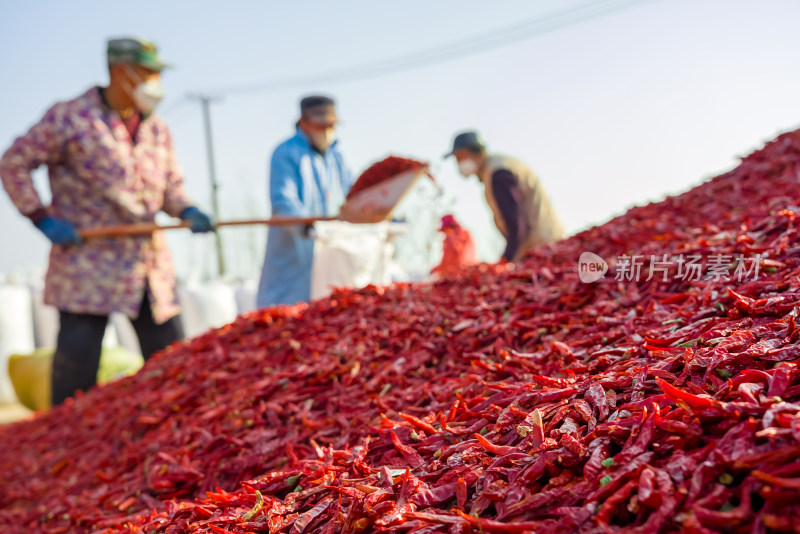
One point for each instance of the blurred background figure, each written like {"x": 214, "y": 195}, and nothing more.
{"x": 308, "y": 178}
{"x": 97, "y": 147}
{"x": 521, "y": 209}
{"x": 459, "y": 248}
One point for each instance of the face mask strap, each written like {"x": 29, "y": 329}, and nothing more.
{"x": 132, "y": 75}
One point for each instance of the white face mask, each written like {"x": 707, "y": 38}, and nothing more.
{"x": 467, "y": 167}
{"x": 146, "y": 95}
{"x": 322, "y": 139}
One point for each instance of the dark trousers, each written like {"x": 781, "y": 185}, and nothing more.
{"x": 80, "y": 342}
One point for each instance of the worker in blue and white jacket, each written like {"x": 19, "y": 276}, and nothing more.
{"x": 308, "y": 178}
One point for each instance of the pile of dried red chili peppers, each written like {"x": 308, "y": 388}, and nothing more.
{"x": 382, "y": 171}
{"x": 512, "y": 399}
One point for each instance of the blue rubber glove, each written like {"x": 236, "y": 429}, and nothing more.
{"x": 59, "y": 231}
{"x": 198, "y": 221}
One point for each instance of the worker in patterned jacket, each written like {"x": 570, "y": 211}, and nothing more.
{"x": 521, "y": 209}
{"x": 110, "y": 161}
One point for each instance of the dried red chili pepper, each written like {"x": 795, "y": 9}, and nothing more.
{"x": 515, "y": 394}
{"x": 384, "y": 170}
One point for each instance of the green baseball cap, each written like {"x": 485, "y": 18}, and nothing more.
{"x": 136, "y": 51}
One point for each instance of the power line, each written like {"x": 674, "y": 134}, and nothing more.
{"x": 175, "y": 105}
{"x": 481, "y": 43}
{"x": 527, "y": 29}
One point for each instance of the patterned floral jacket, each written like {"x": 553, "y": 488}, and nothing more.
{"x": 99, "y": 176}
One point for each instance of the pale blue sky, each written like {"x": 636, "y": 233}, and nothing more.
{"x": 613, "y": 112}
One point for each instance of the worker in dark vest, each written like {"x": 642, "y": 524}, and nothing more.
{"x": 521, "y": 209}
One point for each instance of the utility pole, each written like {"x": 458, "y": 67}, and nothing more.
{"x": 205, "y": 103}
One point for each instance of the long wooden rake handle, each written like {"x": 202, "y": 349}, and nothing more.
{"x": 139, "y": 229}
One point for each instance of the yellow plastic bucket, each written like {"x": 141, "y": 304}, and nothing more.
{"x": 30, "y": 373}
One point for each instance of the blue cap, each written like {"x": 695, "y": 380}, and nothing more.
{"x": 470, "y": 140}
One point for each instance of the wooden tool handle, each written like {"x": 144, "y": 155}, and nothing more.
{"x": 140, "y": 229}
{"x": 126, "y": 230}
{"x": 279, "y": 221}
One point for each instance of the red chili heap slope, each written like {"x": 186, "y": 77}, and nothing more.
{"x": 513, "y": 399}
